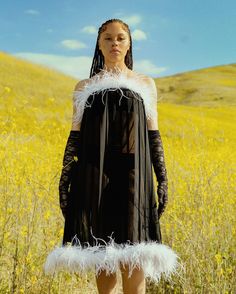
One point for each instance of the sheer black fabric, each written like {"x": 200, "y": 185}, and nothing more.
{"x": 71, "y": 151}
{"x": 111, "y": 192}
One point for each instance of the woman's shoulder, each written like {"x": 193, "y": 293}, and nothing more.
{"x": 80, "y": 85}
{"x": 147, "y": 81}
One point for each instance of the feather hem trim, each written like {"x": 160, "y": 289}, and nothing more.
{"x": 154, "y": 258}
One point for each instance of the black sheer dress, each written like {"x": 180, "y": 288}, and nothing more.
{"x": 112, "y": 191}
{"x": 112, "y": 215}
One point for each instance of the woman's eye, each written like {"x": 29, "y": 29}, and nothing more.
{"x": 119, "y": 39}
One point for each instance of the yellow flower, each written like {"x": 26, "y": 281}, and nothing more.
{"x": 47, "y": 214}
{"x": 218, "y": 258}
{"x": 75, "y": 158}
{"x": 51, "y": 99}
{"x": 7, "y": 89}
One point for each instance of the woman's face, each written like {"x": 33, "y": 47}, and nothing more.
{"x": 114, "y": 42}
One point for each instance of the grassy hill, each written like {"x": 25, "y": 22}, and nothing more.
{"x": 33, "y": 94}
{"x": 28, "y": 78}
{"x": 211, "y": 86}
{"x": 198, "y": 134}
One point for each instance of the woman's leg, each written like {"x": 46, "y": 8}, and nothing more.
{"x": 136, "y": 284}
{"x": 106, "y": 284}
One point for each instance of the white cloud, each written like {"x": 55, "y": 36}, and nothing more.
{"x": 73, "y": 44}
{"x": 145, "y": 66}
{"x": 89, "y": 29}
{"x": 138, "y": 35}
{"x": 32, "y": 11}
{"x": 132, "y": 20}
{"x": 77, "y": 67}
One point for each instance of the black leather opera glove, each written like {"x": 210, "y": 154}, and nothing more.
{"x": 158, "y": 161}
{"x": 71, "y": 154}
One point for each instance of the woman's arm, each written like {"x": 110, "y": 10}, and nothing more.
{"x": 157, "y": 153}
{"x": 152, "y": 123}
{"x": 79, "y": 86}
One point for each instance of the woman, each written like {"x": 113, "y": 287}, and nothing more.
{"x": 106, "y": 187}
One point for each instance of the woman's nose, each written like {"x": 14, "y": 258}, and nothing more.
{"x": 114, "y": 42}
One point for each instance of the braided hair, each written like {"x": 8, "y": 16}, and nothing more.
{"x": 98, "y": 58}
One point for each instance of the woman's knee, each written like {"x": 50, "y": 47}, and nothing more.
{"x": 106, "y": 284}
{"x": 135, "y": 283}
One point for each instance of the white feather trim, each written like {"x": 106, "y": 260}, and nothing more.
{"x": 116, "y": 80}
{"x": 154, "y": 258}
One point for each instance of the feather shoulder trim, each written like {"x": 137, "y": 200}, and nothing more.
{"x": 116, "y": 80}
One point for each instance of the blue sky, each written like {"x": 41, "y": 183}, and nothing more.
{"x": 169, "y": 36}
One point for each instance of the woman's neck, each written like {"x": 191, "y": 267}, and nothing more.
{"x": 116, "y": 68}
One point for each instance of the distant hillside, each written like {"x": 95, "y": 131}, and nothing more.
{"x": 209, "y": 86}
{"x": 25, "y": 79}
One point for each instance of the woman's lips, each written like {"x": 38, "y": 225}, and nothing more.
{"x": 115, "y": 51}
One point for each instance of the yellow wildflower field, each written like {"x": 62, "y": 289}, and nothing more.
{"x": 199, "y": 221}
